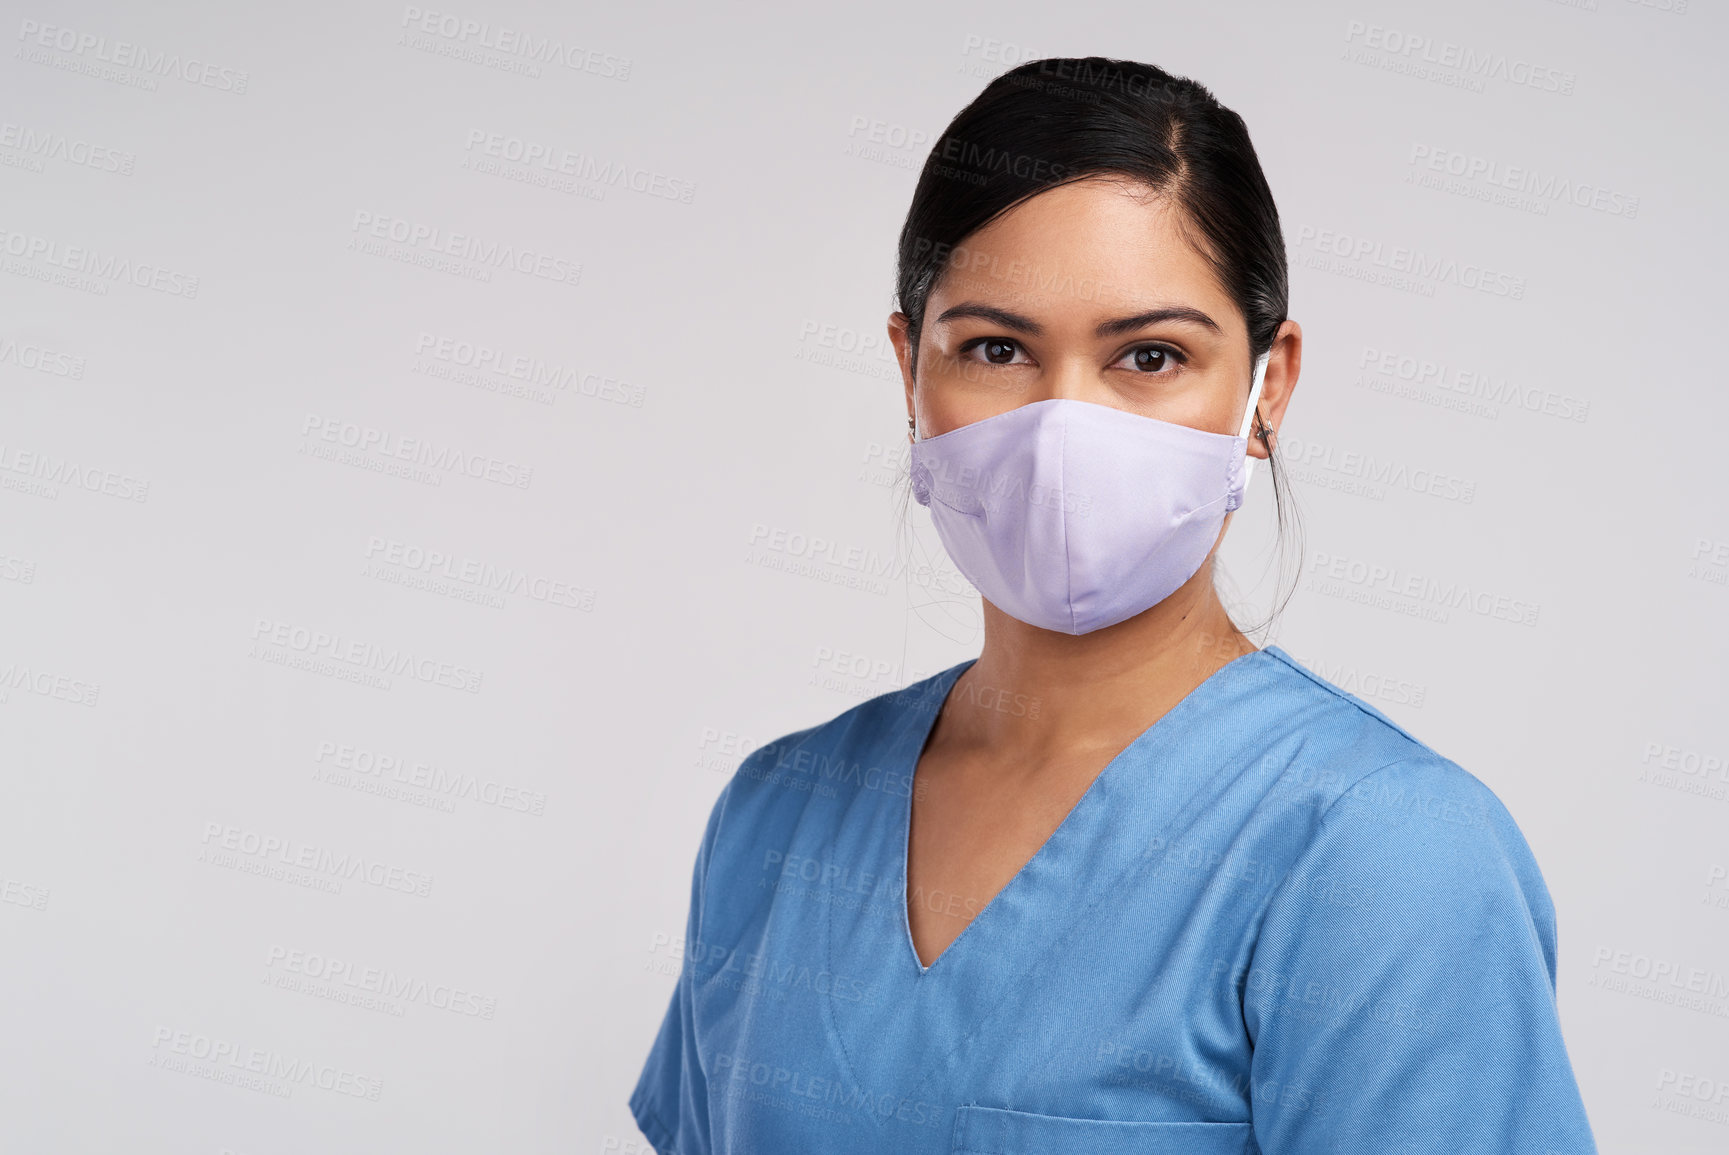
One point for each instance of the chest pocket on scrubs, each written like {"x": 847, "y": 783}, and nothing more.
{"x": 993, "y": 1131}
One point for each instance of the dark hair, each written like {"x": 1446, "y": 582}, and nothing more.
{"x": 1054, "y": 121}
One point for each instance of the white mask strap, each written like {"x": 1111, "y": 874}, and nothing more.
{"x": 1255, "y": 392}
{"x": 1249, "y": 414}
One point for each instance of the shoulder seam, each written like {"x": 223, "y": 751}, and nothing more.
{"x": 1365, "y": 776}
{"x": 1349, "y": 699}
{"x": 1321, "y": 822}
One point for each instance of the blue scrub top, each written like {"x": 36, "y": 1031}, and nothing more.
{"x": 1276, "y": 922}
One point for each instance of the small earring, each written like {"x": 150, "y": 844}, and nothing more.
{"x": 913, "y": 427}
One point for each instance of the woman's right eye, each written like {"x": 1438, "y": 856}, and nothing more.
{"x": 997, "y": 350}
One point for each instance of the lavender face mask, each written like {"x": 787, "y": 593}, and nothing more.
{"x": 1073, "y": 516}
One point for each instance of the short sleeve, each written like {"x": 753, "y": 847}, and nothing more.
{"x": 670, "y": 1101}
{"x": 1400, "y": 995}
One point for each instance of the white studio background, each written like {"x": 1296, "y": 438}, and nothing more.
{"x": 464, "y": 581}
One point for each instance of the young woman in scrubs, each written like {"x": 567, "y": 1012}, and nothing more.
{"x": 1124, "y": 882}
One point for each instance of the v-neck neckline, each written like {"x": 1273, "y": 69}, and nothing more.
{"x": 922, "y": 730}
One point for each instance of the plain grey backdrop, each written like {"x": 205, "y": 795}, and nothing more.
{"x": 437, "y": 444}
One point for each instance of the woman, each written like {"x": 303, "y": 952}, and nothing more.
{"x": 1124, "y": 882}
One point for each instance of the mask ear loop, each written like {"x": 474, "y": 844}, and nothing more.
{"x": 1249, "y": 416}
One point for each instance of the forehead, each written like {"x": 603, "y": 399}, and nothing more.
{"x": 1101, "y": 242}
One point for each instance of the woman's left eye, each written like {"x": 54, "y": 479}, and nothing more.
{"x": 1153, "y": 359}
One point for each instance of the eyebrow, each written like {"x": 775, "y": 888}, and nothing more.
{"x": 1112, "y": 328}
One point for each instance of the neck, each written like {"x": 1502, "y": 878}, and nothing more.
{"x": 1035, "y": 696}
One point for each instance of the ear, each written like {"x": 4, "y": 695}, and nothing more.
{"x": 1284, "y": 362}
{"x": 901, "y": 339}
